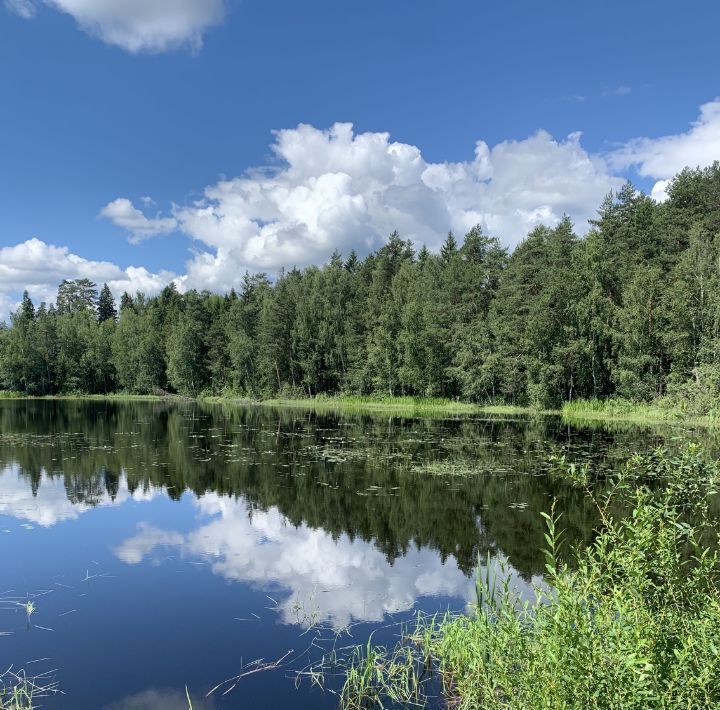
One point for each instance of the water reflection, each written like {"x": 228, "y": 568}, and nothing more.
{"x": 321, "y": 578}
{"x": 388, "y": 481}
{"x": 160, "y": 700}
{"x": 48, "y": 503}
{"x": 212, "y": 524}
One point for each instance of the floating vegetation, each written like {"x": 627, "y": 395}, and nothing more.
{"x": 447, "y": 468}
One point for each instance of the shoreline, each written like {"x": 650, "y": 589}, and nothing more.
{"x": 577, "y": 412}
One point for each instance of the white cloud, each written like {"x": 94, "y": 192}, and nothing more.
{"x": 23, "y": 8}
{"x": 138, "y": 25}
{"x": 659, "y": 191}
{"x": 40, "y": 267}
{"x": 339, "y": 189}
{"x": 122, "y": 213}
{"x": 661, "y": 158}
{"x": 622, "y": 90}
{"x": 135, "y": 549}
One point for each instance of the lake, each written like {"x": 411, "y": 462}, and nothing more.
{"x": 165, "y": 546}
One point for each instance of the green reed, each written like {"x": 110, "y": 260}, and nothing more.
{"x": 633, "y": 624}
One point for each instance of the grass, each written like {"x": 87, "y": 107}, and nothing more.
{"x": 634, "y": 624}
{"x": 414, "y": 405}
{"x": 111, "y": 396}
{"x": 662, "y": 411}
{"x": 578, "y": 411}
{"x": 18, "y": 692}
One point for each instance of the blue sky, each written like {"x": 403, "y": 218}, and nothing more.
{"x": 106, "y": 103}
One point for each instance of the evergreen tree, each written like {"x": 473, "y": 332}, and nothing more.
{"x": 106, "y": 305}
{"x": 126, "y": 301}
{"x": 27, "y": 307}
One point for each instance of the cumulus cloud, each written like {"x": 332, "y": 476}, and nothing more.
{"x": 138, "y": 25}
{"x": 40, "y": 267}
{"x": 122, "y": 213}
{"x": 661, "y": 158}
{"x": 135, "y": 549}
{"x": 339, "y": 189}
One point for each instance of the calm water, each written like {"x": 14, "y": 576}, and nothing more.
{"x": 167, "y": 546}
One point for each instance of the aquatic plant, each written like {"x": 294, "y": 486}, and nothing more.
{"x": 634, "y": 624}
{"x": 20, "y": 692}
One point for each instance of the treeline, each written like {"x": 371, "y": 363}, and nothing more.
{"x": 630, "y": 310}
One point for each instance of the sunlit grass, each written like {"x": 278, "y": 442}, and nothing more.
{"x": 661, "y": 411}
{"x": 390, "y": 404}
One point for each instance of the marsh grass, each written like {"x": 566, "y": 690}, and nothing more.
{"x": 662, "y": 411}
{"x": 634, "y": 624}
{"x": 411, "y": 406}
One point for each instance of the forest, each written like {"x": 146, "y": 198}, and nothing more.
{"x": 631, "y": 310}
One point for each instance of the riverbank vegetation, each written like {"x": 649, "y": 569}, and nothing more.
{"x": 632, "y": 624}
{"x": 579, "y": 411}
{"x": 630, "y": 311}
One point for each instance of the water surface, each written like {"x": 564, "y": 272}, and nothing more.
{"x": 167, "y": 545}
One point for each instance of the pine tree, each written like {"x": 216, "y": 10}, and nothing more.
{"x": 126, "y": 302}
{"x": 449, "y": 247}
{"x": 27, "y": 307}
{"x": 106, "y": 305}
{"x": 76, "y": 296}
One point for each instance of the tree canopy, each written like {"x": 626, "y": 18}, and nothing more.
{"x": 632, "y": 309}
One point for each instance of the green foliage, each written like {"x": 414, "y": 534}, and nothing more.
{"x": 633, "y": 625}
{"x": 106, "y": 305}
{"x": 76, "y": 296}
{"x": 630, "y": 311}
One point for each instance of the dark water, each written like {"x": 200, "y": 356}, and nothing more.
{"x": 166, "y": 546}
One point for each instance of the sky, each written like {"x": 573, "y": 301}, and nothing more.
{"x": 146, "y": 141}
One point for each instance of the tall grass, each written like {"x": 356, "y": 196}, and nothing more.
{"x": 633, "y": 625}
{"x": 662, "y": 410}
{"x": 363, "y": 403}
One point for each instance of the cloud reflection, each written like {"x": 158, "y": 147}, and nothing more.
{"x": 50, "y": 504}
{"x": 328, "y": 580}
{"x": 160, "y": 700}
